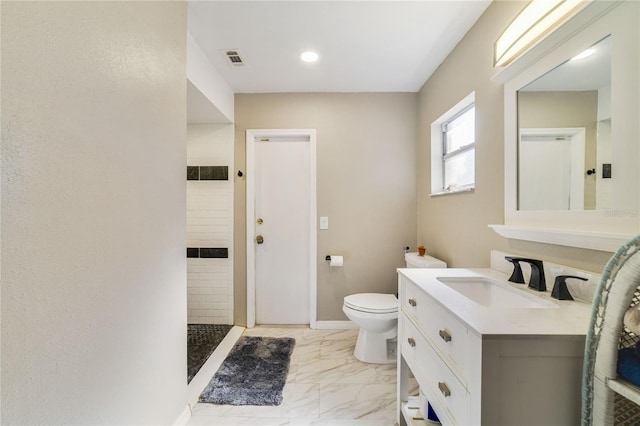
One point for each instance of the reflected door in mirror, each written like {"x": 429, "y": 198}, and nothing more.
{"x": 564, "y": 122}
{"x": 549, "y": 169}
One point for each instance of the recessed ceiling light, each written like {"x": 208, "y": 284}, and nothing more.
{"x": 309, "y": 56}
{"x": 584, "y": 54}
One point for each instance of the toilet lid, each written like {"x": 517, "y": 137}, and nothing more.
{"x": 372, "y": 302}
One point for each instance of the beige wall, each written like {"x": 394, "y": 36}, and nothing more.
{"x": 365, "y": 147}
{"x": 93, "y": 212}
{"x": 366, "y": 171}
{"x": 565, "y": 109}
{"x": 455, "y": 227}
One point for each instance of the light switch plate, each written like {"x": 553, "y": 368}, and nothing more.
{"x": 324, "y": 222}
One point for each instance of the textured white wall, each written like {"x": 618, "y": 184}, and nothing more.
{"x": 93, "y": 217}
{"x": 210, "y": 224}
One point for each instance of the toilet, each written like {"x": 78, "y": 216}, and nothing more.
{"x": 377, "y": 316}
{"x": 413, "y": 260}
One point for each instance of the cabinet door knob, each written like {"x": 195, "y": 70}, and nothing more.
{"x": 413, "y": 302}
{"x": 444, "y": 389}
{"x": 412, "y": 342}
{"x": 445, "y": 335}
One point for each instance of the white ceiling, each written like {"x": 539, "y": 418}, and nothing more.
{"x": 591, "y": 73}
{"x": 364, "y": 46}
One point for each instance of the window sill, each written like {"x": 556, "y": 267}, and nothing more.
{"x": 457, "y": 191}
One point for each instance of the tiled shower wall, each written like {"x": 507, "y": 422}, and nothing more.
{"x": 210, "y": 225}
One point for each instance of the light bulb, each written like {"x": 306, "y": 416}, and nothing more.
{"x": 309, "y": 56}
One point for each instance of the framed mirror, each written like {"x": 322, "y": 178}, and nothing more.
{"x": 572, "y": 133}
{"x": 564, "y": 131}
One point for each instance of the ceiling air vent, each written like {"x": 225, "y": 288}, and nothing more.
{"x": 234, "y": 58}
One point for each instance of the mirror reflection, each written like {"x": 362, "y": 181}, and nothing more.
{"x": 564, "y": 125}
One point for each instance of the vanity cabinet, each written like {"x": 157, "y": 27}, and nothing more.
{"x": 492, "y": 377}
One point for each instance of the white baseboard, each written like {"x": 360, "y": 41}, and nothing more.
{"x": 335, "y": 325}
{"x": 183, "y": 418}
{"x": 204, "y": 375}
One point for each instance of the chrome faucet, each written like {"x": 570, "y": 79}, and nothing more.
{"x": 537, "y": 281}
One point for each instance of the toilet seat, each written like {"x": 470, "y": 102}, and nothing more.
{"x": 375, "y": 303}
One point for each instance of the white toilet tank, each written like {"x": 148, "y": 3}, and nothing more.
{"x": 413, "y": 260}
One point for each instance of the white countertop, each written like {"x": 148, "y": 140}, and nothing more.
{"x": 569, "y": 318}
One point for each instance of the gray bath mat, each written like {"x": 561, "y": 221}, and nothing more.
{"x": 254, "y": 373}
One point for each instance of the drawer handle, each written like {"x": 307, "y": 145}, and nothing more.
{"x": 444, "y": 389}
{"x": 412, "y": 342}
{"x": 445, "y": 335}
{"x": 413, "y": 302}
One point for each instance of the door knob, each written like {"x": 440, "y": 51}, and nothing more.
{"x": 259, "y": 221}
{"x": 259, "y": 239}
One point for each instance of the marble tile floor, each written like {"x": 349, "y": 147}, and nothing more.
{"x": 326, "y": 386}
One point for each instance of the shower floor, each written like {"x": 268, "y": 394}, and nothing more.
{"x": 202, "y": 340}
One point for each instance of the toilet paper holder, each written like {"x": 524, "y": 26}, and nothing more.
{"x": 334, "y": 260}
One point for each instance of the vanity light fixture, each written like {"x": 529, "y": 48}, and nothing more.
{"x": 537, "y": 20}
{"x": 584, "y": 54}
{"x": 309, "y": 56}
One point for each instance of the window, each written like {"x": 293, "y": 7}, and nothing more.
{"x": 453, "y": 149}
{"x": 458, "y": 156}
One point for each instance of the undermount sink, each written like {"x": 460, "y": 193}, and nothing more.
{"x": 490, "y": 293}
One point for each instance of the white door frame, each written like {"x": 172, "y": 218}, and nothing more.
{"x": 251, "y": 136}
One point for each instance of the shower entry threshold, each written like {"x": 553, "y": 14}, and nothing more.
{"x": 202, "y": 340}
{"x": 202, "y": 376}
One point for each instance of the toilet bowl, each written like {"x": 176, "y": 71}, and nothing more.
{"x": 377, "y": 316}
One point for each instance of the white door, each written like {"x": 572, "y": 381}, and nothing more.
{"x": 283, "y": 225}
{"x": 544, "y": 174}
{"x": 551, "y": 170}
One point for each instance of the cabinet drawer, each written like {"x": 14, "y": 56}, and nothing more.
{"x": 442, "y": 329}
{"x": 440, "y": 385}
